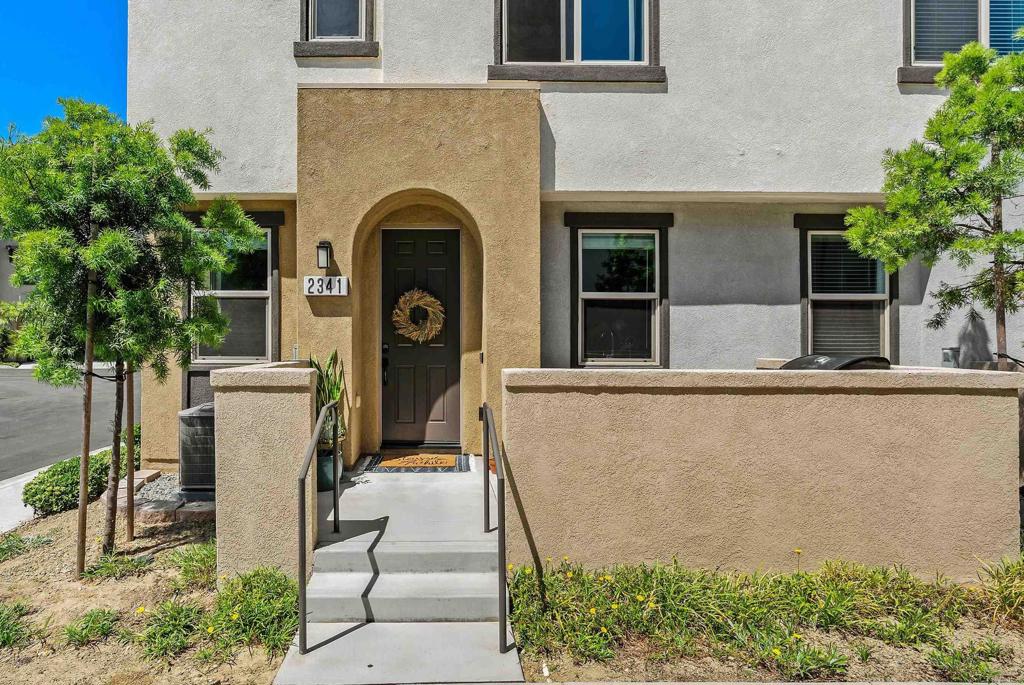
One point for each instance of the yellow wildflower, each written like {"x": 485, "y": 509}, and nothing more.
{"x": 568, "y": 574}
{"x": 210, "y": 630}
{"x": 798, "y": 551}
{"x": 565, "y": 558}
{"x": 549, "y": 560}
{"x": 797, "y": 636}
{"x": 651, "y": 605}
{"x": 593, "y": 611}
{"x": 603, "y": 629}
{"x": 140, "y": 610}
{"x": 608, "y": 578}
{"x": 511, "y": 567}
{"x": 527, "y": 570}
{"x": 615, "y": 606}
{"x": 640, "y": 598}
{"x": 777, "y": 652}
{"x": 234, "y": 617}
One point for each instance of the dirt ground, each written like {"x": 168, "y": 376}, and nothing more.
{"x": 886, "y": 663}
{"x": 44, "y": 579}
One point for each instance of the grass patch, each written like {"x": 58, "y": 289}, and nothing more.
{"x": 257, "y": 608}
{"x": 171, "y": 629}
{"x": 13, "y": 544}
{"x": 14, "y": 630}
{"x": 968, "y": 664}
{"x": 1004, "y": 588}
{"x": 759, "y": 618}
{"x": 197, "y": 566}
{"x": 115, "y": 566}
{"x": 95, "y": 625}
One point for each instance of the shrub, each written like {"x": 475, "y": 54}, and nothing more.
{"x": 11, "y": 314}
{"x": 95, "y": 625}
{"x": 171, "y": 629}
{"x": 12, "y": 544}
{"x": 56, "y": 489}
{"x": 197, "y": 566}
{"x": 118, "y": 566}
{"x": 14, "y": 631}
{"x": 256, "y": 608}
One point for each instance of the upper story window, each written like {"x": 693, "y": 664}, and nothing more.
{"x": 335, "y": 19}
{"x": 941, "y": 26}
{"x": 576, "y": 31}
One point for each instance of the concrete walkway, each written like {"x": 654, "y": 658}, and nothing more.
{"x": 12, "y": 512}
{"x": 407, "y": 592}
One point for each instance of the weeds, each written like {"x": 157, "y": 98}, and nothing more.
{"x": 171, "y": 629}
{"x": 1004, "y": 588}
{"x": 95, "y": 625}
{"x": 13, "y": 544}
{"x": 968, "y": 664}
{"x": 197, "y": 566}
{"x": 864, "y": 652}
{"x": 257, "y": 608}
{"x": 115, "y": 566}
{"x": 14, "y": 631}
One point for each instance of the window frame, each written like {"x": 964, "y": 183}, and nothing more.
{"x": 910, "y": 30}
{"x": 649, "y": 11}
{"x": 311, "y": 33}
{"x": 267, "y": 294}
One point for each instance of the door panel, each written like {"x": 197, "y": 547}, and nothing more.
{"x": 420, "y": 381}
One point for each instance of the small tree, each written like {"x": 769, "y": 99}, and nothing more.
{"x": 945, "y": 193}
{"x": 95, "y": 206}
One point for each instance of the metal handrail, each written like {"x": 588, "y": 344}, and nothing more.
{"x": 493, "y": 446}
{"x": 329, "y": 408}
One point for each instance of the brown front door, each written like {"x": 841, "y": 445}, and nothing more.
{"x": 420, "y": 381}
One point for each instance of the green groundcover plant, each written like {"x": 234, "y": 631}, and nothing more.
{"x": 56, "y": 489}
{"x": 765, "y": 620}
{"x": 14, "y": 630}
{"x": 95, "y": 625}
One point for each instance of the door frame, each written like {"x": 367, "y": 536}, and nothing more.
{"x": 380, "y": 324}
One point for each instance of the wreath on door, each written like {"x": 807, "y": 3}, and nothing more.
{"x": 425, "y": 330}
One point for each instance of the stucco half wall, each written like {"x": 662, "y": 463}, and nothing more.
{"x": 473, "y": 155}
{"x": 736, "y": 469}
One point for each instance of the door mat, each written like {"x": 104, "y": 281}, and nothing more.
{"x": 419, "y": 463}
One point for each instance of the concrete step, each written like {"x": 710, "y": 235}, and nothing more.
{"x": 402, "y": 597}
{"x": 376, "y": 653}
{"x": 360, "y": 556}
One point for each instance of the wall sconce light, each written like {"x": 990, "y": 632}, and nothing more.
{"x": 323, "y": 254}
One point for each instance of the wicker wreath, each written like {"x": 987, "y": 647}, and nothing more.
{"x": 426, "y": 330}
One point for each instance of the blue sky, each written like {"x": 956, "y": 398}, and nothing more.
{"x": 61, "y": 48}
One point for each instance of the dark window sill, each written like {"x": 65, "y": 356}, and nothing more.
{"x": 918, "y": 74}
{"x": 337, "y": 48}
{"x": 622, "y": 73}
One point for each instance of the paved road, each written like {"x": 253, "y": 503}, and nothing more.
{"x": 40, "y": 425}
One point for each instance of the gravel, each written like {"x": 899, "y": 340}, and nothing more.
{"x": 163, "y": 488}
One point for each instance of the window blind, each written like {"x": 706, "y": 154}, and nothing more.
{"x": 836, "y": 269}
{"x": 1005, "y": 17}
{"x": 942, "y": 26}
{"x": 847, "y": 327}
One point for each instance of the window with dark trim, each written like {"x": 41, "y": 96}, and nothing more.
{"x": 931, "y": 28}
{"x": 336, "y": 28}
{"x": 577, "y": 40}
{"x": 849, "y": 304}
{"x": 620, "y": 282}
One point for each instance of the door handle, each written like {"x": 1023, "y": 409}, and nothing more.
{"x": 384, "y": 369}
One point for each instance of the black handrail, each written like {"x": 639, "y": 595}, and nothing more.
{"x": 493, "y": 446}
{"x": 329, "y": 408}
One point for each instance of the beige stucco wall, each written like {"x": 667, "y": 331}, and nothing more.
{"x": 265, "y": 416}
{"x": 161, "y": 402}
{"x": 471, "y": 154}
{"x": 736, "y": 469}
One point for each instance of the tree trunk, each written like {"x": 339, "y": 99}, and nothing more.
{"x": 83, "y": 471}
{"x": 129, "y": 514}
{"x": 114, "y": 474}
{"x": 999, "y": 274}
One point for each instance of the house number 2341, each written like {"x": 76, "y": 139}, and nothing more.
{"x": 321, "y": 286}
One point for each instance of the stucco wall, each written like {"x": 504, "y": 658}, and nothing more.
{"x": 473, "y": 154}
{"x": 265, "y": 416}
{"x": 787, "y": 96}
{"x": 730, "y": 469}
{"x": 734, "y": 288}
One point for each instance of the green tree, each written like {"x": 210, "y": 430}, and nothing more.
{"x": 95, "y": 206}
{"x": 945, "y": 193}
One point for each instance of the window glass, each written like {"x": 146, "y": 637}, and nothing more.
{"x": 942, "y": 26}
{"x": 533, "y": 29}
{"x": 250, "y": 272}
{"x": 619, "y": 263}
{"x": 835, "y": 268}
{"x": 847, "y": 327}
{"x": 618, "y": 329}
{"x": 1005, "y": 17}
{"x": 247, "y": 335}
{"x": 612, "y": 30}
{"x": 336, "y": 18}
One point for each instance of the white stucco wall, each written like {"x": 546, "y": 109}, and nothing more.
{"x": 787, "y": 96}
{"x": 734, "y": 289}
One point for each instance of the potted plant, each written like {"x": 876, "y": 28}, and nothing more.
{"x": 330, "y": 386}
